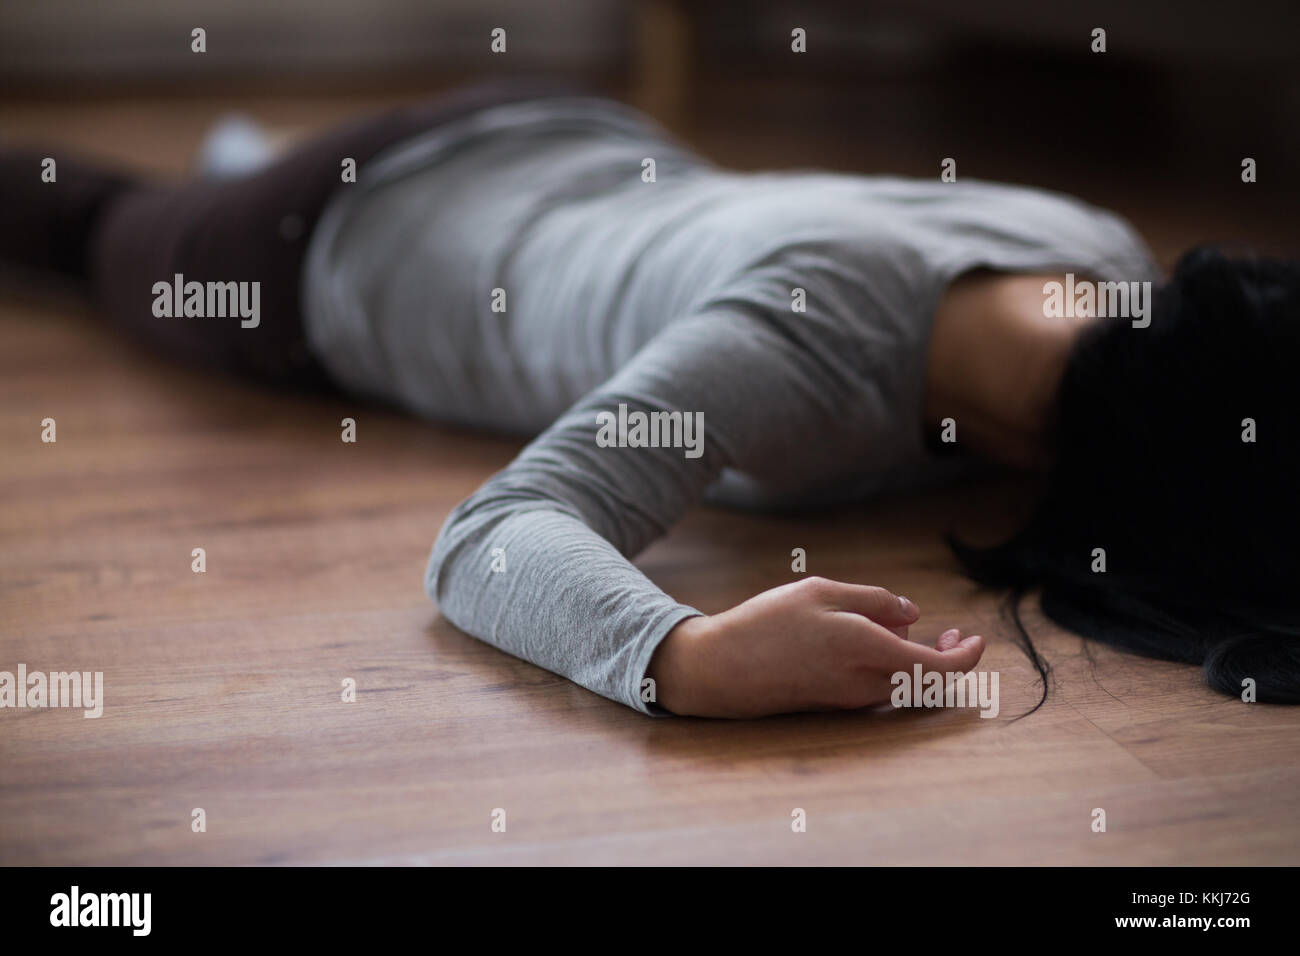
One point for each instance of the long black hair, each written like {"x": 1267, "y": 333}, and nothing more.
{"x": 1170, "y": 520}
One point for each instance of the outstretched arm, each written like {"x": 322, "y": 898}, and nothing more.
{"x": 536, "y": 561}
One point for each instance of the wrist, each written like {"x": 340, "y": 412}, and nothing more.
{"x": 675, "y": 667}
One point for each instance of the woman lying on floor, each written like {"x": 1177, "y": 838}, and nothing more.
{"x": 554, "y": 265}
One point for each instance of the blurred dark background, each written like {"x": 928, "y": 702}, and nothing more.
{"x": 1156, "y": 127}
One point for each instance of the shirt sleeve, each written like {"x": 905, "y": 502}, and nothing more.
{"x": 536, "y": 562}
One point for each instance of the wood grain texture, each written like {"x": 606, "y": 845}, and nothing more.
{"x": 223, "y": 688}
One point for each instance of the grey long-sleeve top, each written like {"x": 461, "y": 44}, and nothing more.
{"x": 526, "y": 269}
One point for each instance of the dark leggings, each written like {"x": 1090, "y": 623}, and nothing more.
{"x": 123, "y": 236}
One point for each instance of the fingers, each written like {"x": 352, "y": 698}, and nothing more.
{"x": 948, "y": 639}
{"x": 882, "y": 606}
{"x": 893, "y": 652}
{"x": 951, "y": 653}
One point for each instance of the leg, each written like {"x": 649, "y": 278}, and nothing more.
{"x": 124, "y": 236}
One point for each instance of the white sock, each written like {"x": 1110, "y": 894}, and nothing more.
{"x": 236, "y": 145}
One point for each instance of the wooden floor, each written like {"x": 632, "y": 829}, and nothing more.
{"x": 223, "y": 688}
